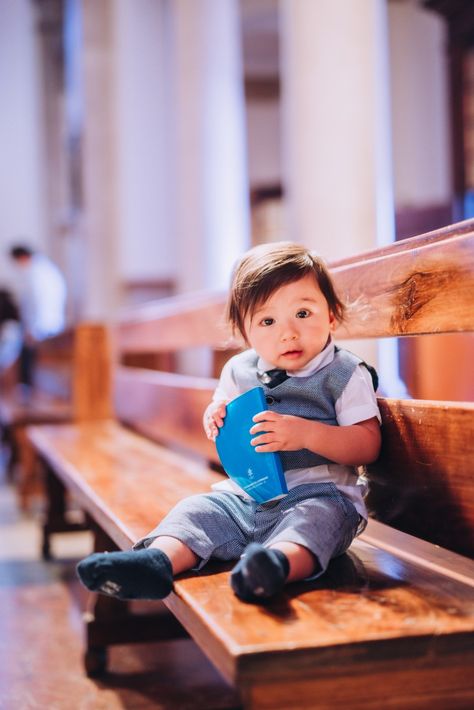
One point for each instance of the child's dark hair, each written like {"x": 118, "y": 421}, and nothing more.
{"x": 267, "y": 267}
{"x": 19, "y": 251}
{"x": 8, "y": 308}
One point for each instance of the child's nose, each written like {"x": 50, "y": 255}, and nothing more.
{"x": 289, "y": 333}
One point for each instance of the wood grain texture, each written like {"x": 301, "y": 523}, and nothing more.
{"x": 105, "y": 465}
{"x": 413, "y": 685}
{"x": 166, "y": 407}
{"x": 426, "y": 290}
{"x": 374, "y": 613}
{"x": 175, "y": 323}
{"x": 420, "y": 552}
{"x": 422, "y": 482}
{"x": 419, "y": 285}
{"x": 92, "y": 372}
{"x": 415, "y": 242}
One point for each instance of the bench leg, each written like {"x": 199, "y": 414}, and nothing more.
{"x": 56, "y": 520}
{"x": 10, "y": 450}
{"x": 112, "y": 622}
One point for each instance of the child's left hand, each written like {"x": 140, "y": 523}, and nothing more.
{"x": 283, "y": 432}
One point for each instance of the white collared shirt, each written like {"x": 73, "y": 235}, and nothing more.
{"x": 41, "y": 294}
{"x": 357, "y": 403}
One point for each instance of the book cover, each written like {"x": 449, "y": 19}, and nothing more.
{"x": 260, "y": 475}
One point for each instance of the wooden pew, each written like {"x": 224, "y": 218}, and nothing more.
{"x": 69, "y": 386}
{"x": 392, "y": 621}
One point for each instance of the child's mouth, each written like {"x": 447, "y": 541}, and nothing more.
{"x": 292, "y": 353}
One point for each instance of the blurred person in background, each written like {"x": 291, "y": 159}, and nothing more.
{"x": 10, "y": 331}
{"x": 41, "y": 296}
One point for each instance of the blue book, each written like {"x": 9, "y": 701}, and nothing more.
{"x": 260, "y": 475}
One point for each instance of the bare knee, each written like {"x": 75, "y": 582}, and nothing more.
{"x": 303, "y": 563}
{"x": 179, "y": 554}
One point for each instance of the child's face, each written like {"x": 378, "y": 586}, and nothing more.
{"x": 292, "y": 326}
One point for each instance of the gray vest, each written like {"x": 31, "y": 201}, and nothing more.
{"x": 311, "y": 397}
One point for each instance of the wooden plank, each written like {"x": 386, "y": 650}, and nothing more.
{"x": 102, "y": 462}
{"x": 370, "y": 599}
{"x": 41, "y": 408}
{"x": 422, "y": 482}
{"x": 373, "y": 610}
{"x": 420, "y": 552}
{"x": 57, "y": 347}
{"x": 166, "y": 407}
{"x": 420, "y": 285}
{"x": 175, "y": 323}
{"x": 410, "y": 684}
{"x": 105, "y": 465}
{"x": 92, "y": 372}
{"x": 428, "y": 290}
{"x": 403, "y": 245}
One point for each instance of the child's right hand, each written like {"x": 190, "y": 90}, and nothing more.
{"x": 214, "y": 418}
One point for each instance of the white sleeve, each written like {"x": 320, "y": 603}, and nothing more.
{"x": 358, "y": 401}
{"x": 227, "y": 387}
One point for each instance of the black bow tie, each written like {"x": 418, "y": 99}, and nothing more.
{"x": 272, "y": 378}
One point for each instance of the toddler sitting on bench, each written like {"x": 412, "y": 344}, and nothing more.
{"x": 322, "y": 417}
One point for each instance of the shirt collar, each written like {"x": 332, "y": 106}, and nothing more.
{"x": 316, "y": 363}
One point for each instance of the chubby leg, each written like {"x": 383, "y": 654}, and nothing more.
{"x": 140, "y": 574}
{"x": 262, "y": 572}
{"x": 302, "y": 562}
{"x": 307, "y": 528}
{"x": 197, "y": 528}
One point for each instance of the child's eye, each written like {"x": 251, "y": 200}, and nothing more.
{"x": 303, "y": 313}
{"x": 267, "y": 321}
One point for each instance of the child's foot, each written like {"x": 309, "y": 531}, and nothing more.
{"x": 260, "y": 573}
{"x": 140, "y": 574}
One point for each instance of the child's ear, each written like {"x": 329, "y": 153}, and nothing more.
{"x": 332, "y": 322}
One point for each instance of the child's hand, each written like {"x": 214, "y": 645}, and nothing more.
{"x": 214, "y": 418}
{"x": 283, "y": 432}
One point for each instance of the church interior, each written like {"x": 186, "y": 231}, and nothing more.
{"x": 146, "y": 145}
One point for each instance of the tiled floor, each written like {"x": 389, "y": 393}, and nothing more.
{"x": 41, "y": 637}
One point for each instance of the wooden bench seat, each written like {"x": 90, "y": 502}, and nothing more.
{"x": 395, "y": 605}
{"x": 391, "y": 622}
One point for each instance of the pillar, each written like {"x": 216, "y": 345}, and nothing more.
{"x": 336, "y": 133}
{"x": 92, "y": 237}
{"x": 211, "y": 203}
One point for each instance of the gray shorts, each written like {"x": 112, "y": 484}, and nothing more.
{"x": 220, "y": 525}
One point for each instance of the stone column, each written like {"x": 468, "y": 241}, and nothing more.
{"x": 22, "y": 214}
{"x": 92, "y": 246}
{"x": 147, "y": 250}
{"x": 211, "y": 185}
{"x": 336, "y": 131}
{"x": 50, "y": 44}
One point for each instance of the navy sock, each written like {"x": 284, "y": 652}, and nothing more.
{"x": 137, "y": 574}
{"x": 260, "y": 573}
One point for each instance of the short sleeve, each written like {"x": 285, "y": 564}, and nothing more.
{"x": 227, "y": 387}
{"x": 358, "y": 401}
